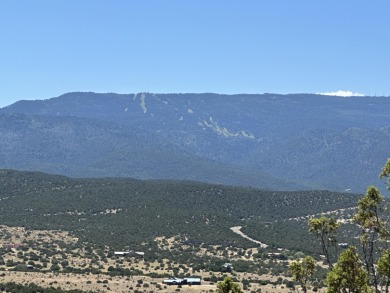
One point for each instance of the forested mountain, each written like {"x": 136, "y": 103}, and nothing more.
{"x": 81, "y": 147}
{"x": 284, "y": 142}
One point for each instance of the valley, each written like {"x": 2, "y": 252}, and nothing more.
{"x": 194, "y": 146}
{"x": 117, "y": 193}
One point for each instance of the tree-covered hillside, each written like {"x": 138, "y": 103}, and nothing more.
{"x": 81, "y": 147}
{"x": 128, "y": 212}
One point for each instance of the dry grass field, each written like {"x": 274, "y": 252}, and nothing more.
{"x": 104, "y": 283}
{"x": 40, "y": 257}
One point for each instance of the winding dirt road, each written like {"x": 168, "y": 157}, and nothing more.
{"x": 237, "y": 230}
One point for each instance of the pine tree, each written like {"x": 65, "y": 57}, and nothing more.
{"x": 348, "y": 275}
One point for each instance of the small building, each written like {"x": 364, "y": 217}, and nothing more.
{"x": 343, "y": 245}
{"x": 138, "y": 254}
{"x": 185, "y": 281}
{"x": 121, "y": 253}
{"x": 173, "y": 281}
{"x": 228, "y": 267}
{"x": 193, "y": 281}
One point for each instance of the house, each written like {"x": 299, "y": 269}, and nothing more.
{"x": 185, "y": 281}
{"x": 173, "y": 281}
{"x": 138, "y": 254}
{"x": 274, "y": 254}
{"x": 193, "y": 281}
{"x": 228, "y": 267}
{"x": 121, "y": 253}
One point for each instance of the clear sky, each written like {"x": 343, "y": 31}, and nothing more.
{"x": 50, "y": 47}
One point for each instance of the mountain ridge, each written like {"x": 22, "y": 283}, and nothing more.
{"x": 299, "y": 137}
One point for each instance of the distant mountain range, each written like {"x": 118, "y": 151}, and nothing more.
{"x": 271, "y": 141}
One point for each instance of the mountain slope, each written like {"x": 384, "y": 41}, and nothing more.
{"x": 311, "y": 140}
{"x": 83, "y": 147}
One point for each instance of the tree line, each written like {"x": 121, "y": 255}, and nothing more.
{"x": 364, "y": 268}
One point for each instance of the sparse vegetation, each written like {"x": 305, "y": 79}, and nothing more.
{"x": 57, "y": 226}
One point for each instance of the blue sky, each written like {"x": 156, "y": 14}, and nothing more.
{"x": 52, "y": 47}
